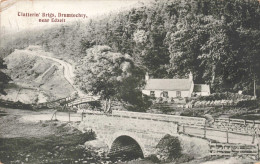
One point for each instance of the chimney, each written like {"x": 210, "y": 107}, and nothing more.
{"x": 146, "y": 76}
{"x": 190, "y": 76}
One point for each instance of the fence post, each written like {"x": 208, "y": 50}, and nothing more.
{"x": 258, "y": 151}
{"x": 82, "y": 115}
{"x": 205, "y": 130}
{"x": 227, "y": 136}
{"x": 183, "y": 129}
{"x": 69, "y": 116}
{"x": 253, "y": 139}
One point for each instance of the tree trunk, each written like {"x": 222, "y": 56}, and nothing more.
{"x": 254, "y": 88}
{"x": 105, "y": 106}
{"x": 109, "y": 106}
{"x": 213, "y": 74}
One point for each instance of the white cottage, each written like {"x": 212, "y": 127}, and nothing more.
{"x": 172, "y": 87}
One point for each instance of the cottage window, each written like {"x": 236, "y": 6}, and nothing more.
{"x": 165, "y": 94}
{"x": 178, "y": 93}
{"x": 152, "y": 94}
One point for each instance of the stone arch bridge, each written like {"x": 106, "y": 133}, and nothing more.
{"x": 134, "y": 132}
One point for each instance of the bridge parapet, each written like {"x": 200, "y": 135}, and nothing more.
{"x": 129, "y": 124}
{"x": 162, "y": 117}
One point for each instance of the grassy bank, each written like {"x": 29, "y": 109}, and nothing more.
{"x": 66, "y": 146}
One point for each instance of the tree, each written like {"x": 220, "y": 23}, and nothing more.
{"x": 108, "y": 74}
{"x": 185, "y": 43}
{"x": 217, "y": 40}
{"x": 4, "y": 79}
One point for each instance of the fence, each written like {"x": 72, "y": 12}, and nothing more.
{"x": 80, "y": 101}
{"x": 219, "y": 134}
{"x": 237, "y": 125}
{"x": 224, "y": 149}
{"x": 67, "y": 101}
{"x": 68, "y": 116}
{"x": 58, "y": 102}
{"x": 238, "y": 121}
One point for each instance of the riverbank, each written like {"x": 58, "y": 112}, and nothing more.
{"x": 44, "y": 142}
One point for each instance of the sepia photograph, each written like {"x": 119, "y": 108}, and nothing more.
{"x": 129, "y": 81}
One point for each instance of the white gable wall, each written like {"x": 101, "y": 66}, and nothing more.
{"x": 170, "y": 93}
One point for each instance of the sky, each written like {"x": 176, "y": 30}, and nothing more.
{"x": 10, "y": 21}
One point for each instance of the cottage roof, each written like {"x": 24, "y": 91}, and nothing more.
{"x": 168, "y": 84}
{"x": 201, "y": 88}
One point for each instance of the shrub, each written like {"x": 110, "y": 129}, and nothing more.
{"x": 184, "y": 158}
{"x": 224, "y": 96}
{"x": 15, "y": 105}
{"x": 169, "y": 148}
{"x": 141, "y": 103}
{"x": 248, "y": 104}
{"x": 153, "y": 158}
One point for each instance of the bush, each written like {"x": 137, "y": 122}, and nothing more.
{"x": 15, "y": 105}
{"x": 184, "y": 158}
{"x": 140, "y": 104}
{"x": 248, "y": 104}
{"x": 153, "y": 158}
{"x": 169, "y": 148}
{"x": 224, "y": 96}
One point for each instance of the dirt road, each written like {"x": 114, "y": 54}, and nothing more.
{"x": 68, "y": 71}
{"x": 67, "y": 68}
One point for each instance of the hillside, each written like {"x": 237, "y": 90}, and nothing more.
{"x": 37, "y": 79}
{"x": 218, "y": 41}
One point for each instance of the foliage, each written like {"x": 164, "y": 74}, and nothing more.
{"x": 251, "y": 104}
{"x": 169, "y": 147}
{"x": 140, "y": 103}
{"x": 153, "y": 158}
{"x": 55, "y": 148}
{"x": 101, "y": 71}
{"x": 15, "y": 105}
{"x": 218, "y": 41}
{"x": 112, "y": 76}
{"x": 225, "y": 96}
{"x": 185, "y": 158}
{"x": 4, "y": 79}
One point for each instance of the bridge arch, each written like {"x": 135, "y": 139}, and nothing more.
{"x": 125, "y": 145}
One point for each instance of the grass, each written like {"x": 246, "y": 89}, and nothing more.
{"x": 62, "y": 147}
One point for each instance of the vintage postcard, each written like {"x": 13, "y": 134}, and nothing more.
{"x": 129, "y": 81}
